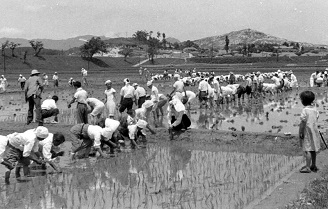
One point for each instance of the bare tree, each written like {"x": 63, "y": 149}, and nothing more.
{"x": 13, "y": 46}
{"x": 3, "y": 47}
{"x": 37, "y": 46}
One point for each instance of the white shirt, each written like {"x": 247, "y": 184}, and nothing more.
{"x": 154, "y": 94}
{"x": 112, "y": 125}
{"x": 276, "y": 80}
{"x": 94, "y": 132}
{"x": 46, "y": 145}
{"x": 281, "y": 76}
{"x": 84, "y": 73}
{"x": 45, "y": 77}
{"x": 139, "y": 92}
{"x": 81, "y": 95}
{"x": 21, "y": 79}
{"x": 93, "y": 102}
{"x": 249, "y": 81}
{"x": 293, "y": 78}
{"x": 203, "y": 86}
{"x": 141, "y": 113}
{"x": 127, "y": 91}
{"x": 178, "y": 85}
{"x": 261, "y": 79}
{"x": 191, "y": 95}
{"x": 55, "y": 77}
{"x": 48, "y": 104}
{"x": 25, "y": 142}
{"x": 3, "y": 81}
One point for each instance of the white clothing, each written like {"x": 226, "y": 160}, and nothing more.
{"x": 81, "y": 95}
{"x": 203, "y": 86}
{"x": 26, "y": 142}
{"x": 276, "y": 80}
{"x": 112, "y": 125}
{"x": 110, "y": 103}
{"x": 154, "y": 94}
{"x": 178, "y": 86}
{"x": 48, "y": 104}
{"x": 96, "y": 105}
{"x": 46, "y": 145}
{"x": 21, "y": 79}
{"x": 55, "y": 77}
{"x": 127, "y": 91}
{"x": 191, "y": 95}
{"x": 139, "y": 92}
{"x": 94, "y": 133}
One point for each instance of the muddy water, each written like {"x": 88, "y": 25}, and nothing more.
{"x": 155, "y": 177}
{"x": 270, "y": 114}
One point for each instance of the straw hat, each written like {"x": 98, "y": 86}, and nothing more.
{"x": 108, "y": 81}
{"x": 35, "y": 72}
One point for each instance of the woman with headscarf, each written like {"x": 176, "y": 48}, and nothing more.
{"x": 110, "y": 99}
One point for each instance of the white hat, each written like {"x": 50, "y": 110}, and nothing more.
{"x": 126, "y": 80}
{"x": 41, "y": 132}
{"x": 176, "y": 76}
{"x": 34, "y": 72}
{"x": 149, "y": 82}
{"x": 20, "y": 75}
{"x": 148, "y": 104}
{"x": 178, "y": 106}
{"x": 142, "y": 124}
{"x": 108, "y": 81}
{"x": 135, "y": 84}
{"x": 279, "y": 71}
{"x": 107, "y": 133}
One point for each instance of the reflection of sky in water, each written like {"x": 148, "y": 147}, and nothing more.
{"x": 283, "y": 113}
{"x": 156, "y": 177}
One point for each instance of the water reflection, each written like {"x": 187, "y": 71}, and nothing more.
{"x": 156, "y": 177}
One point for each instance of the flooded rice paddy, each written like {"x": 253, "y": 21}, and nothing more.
{"x": 274, "y": 114}
{"x": 155, "y": 177}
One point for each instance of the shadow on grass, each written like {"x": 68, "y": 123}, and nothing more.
{"x": 99, "y": 62}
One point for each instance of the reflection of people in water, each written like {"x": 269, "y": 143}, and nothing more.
{"x": 179, "y": 160}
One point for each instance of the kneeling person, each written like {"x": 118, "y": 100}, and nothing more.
{"x": 177, "y": 117}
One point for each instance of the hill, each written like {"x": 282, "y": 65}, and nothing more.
{"x": 172, "y": 40}
{"x": 63, "y": 44}
{"x": 248, "y": 36}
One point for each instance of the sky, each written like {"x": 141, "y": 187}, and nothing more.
{"x": 295, "y": 20}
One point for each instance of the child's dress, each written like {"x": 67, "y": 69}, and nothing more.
{"x": 110, "y": 104}
{"x": 311, "y": 134}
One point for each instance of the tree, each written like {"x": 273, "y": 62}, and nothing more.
{"x": 164, "y": 40}
{"x": 176, "y": 45}
{"x": 226, "y": 47}
{"x": 3, "y": 47}
{"x": 93, "y": 46}
{"x": 37, "y": 46}
{"x": 13, "y": 46}
{"x": 285, "y": 44}
{"x": 141, "y": 35}
{"x": 153, "y": 44}
{"x": 126, "y": 51}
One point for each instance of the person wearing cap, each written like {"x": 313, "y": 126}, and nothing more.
{"x": 21, "y": 80}
{"x": 136, "y": 131}
{"x": 80, "y": 97}
{"x": 50, "y": 150}
{"x": 49, "y": 108}
{"x": 45, "y": 79}
{"x": 203, "y": 91}
{"x": 110, "y": 98}
{"x": 279, "y": 83}
{"x": 177, "y": 117}
{"x": 232, "y": 78}
{"x": 144, "y": 111}
{"x": 55, "y": 78}
{"x": 23, "y": 147}
{"x": 33, "y": 89}
{"x": 280, "y": 74}
{"x": 140, "y": 95}
{"x": 91, "y": 136}
{"x": 84, "y": 73}
{"x": 154, "y": 97}
{"x": 249, "y": 84}
{"x": 70, "y": 82}
{"x": 127, "y": 96}
{"x": 97, "y": 109}
{"x": 178, "y": 86}
{"x": 3, "y": 83}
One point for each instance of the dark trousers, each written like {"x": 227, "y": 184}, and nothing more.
{"x": 49, "y": 113}
{"x": 141, "y": 100}
{"x": 185, "y": 123}
{"x": 14, "y": 155}
{"x": 34, "y": 101}
{"x": 22, "y": 84}
{"x": 127, "y": 103}
{"x": 82, "y": 113}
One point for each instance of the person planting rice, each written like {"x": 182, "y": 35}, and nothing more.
{"x": 80, "y": 97}
{"x": 177, "y": 117}
{"x": 97, "y": 109}
{"x": 178, "y": 86}
{"x": 154, "y": 98}
{"x": 55, "y": 78}
{"x": 21, "y": 80}
{"x": 162, "y": 100}
{"x": 136, "y": 131}
{"x": 49, "y": 109}
{"x": 277, "y": 82}
{"x": 203, "y": 91}
{"x": 127, "y": 95}
{"x": 308, "y": 132}
{"x": 49, "y": 148}
{"x": 45, "y": 80}
{"x": 3, "y": 83}
{"x": 140, "y": 95}
{"x": 90, "y": 135}
{"x": 144, "y": 111}
{"x": 23, "y": 147}
{"x": 114, "y": 135}
{"x": 33, "y": 89}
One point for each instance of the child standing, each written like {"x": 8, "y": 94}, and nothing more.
{"x": 110, "y": 99}
{"x": 308, "y": 132}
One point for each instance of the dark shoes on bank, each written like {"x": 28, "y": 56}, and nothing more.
{"x": 306, "y": 169}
